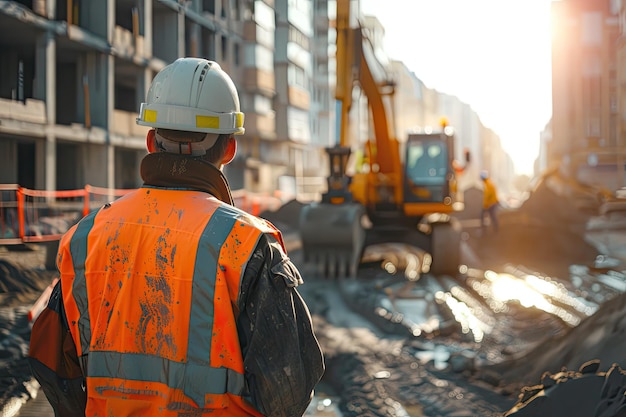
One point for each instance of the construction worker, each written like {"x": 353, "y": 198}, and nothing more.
{"x": 173, "y": 302}
{"x": 490, "y": 202}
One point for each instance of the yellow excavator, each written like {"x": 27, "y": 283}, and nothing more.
{"x": 388, "y": 198}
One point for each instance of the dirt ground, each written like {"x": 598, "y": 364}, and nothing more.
{"x": 383, "y": 360}
{"x": 23, "y": 278}
{"x": 522, "y": 367}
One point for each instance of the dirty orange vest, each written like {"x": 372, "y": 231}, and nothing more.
{"x": 150, "y": 286}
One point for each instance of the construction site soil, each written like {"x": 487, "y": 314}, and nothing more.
{"x": 384, "y": 359}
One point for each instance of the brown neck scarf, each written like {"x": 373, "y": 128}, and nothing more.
{"x": 179, "y": 171}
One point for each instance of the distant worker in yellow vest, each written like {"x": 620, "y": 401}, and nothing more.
{"x": 490, "y": 202}
{"x": 172, "y": 302}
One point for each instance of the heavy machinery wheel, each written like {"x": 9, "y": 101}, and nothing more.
{"x": 445, "y": 243}
{"x": 332, "y": 238}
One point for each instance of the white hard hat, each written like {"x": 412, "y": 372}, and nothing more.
{"x": 193, "y": 95}
{"x": 484, "y": 174}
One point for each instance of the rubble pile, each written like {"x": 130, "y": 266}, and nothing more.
{"x": 582, "y": 393}
{"x": 21, "y": 283}
{"x": 599, "y": 337}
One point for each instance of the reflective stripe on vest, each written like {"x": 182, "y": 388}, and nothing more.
{"x": 79, "y": 286}
{"x": 170, "y": 332}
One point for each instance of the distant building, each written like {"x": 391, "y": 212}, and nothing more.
{"x": 587, "y": 139}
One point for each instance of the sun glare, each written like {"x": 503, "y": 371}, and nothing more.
{"x": 494, "y": 55}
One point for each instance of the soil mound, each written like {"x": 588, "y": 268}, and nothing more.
{"x": 598, "y": 337}
{"x": 546, "y": 233}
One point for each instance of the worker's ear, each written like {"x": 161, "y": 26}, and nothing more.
{"x": 231, "y": 150}
{"x": 151, "y": 141}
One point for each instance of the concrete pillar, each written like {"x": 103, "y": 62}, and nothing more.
{"x": 145, "y": 12}
{"x": 193, "y": 42}
{"x": 181, "y": 33}
{"x": 51, "y": 9}
{"x": 41, "y": 149}
{"x": 110, "y": 20}
{"x": 45, "y": 89}
{"x": 110, "y": 154}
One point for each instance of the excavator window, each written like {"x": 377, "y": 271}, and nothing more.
{"x": 427, "y": 163}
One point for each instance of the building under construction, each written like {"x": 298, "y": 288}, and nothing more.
{"x": 74, "y": 73}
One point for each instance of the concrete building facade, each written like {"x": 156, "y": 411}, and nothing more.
{"x": 75, "y": 73}
{"x": 587, "y": 140}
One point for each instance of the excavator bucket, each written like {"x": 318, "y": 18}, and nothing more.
{"x": 332, "y": 238}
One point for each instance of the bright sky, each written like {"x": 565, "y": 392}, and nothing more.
{"x": 493, "y": 55}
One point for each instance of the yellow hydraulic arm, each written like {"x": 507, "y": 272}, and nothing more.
{"x": 355, "y": 59}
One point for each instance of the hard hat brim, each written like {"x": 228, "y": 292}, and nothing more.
{"x": 190, "y": 119}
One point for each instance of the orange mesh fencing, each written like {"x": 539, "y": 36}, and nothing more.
{"x": 30, "y": 216}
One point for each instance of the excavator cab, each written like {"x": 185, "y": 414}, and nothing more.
{"x": 426, "y": 171}
{"x": 429, "y": 179}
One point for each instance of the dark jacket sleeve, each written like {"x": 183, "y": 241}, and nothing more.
{"x": 53, "y": 360}
{"x": 282, "y": 357}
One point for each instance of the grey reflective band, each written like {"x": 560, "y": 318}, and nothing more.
{"x": 78, "y": 250}
{"x": 201, "y": 313}
{"x": 199, "y": 379}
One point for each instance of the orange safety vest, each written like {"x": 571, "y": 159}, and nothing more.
{"x": 150, "y": 286}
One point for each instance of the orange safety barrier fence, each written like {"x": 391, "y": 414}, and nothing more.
{"x": 30, "y": 216}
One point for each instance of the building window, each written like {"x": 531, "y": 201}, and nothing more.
{"x": 208, "y": 6}
{"x": 236, "y": 54}
{"x": 224, "y": 48}
{"x": 297, "y": 76}
{"x": 298, "y": 37}
{"x": 236, "y": 10}
{"x": 262, "y": 105}
{"x": 208, "y": 44}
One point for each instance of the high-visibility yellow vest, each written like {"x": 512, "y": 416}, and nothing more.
{"x": 490, "y": 196}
